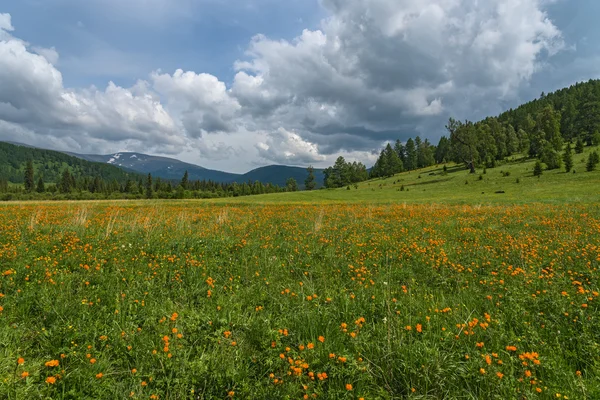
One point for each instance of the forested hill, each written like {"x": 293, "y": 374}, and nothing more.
{"x": 545, "y": 128}
{"x": 50, "y": 165}
{"x": 578, "y": 107}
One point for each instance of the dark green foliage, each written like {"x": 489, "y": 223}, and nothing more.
{"x": 291, "y": 185}
{"x": 579, "y": 146}
{"x": 592, "y": 162}
{"x": 551, "y": 157}
{"x": 185, "y": 180}
{"x": 533, "y": 128}
{"x": 28, "y": 180}
{"x": 568, "y": 158}
{"x": 309, "y": 183}
{"x": 40, "y": 188}
{"x": 50, "y": 165}
{"x": 537, "y": 169}
{"x": 388, "y": 164}
{"x": 343, "y": 173}
{"x": 411, "y": 155}
{"x": 149, "y": 186}
{"x": 596, "y": 138}
{"x": 442, "y": 151}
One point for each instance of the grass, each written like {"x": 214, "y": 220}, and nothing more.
{"x": 458, "y": 186}
{"x": 437, "y": 291}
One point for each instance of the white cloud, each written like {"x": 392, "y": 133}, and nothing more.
{"x": 50, "y": 54}
{"x": 287, "y": 147}
{"x": 201, "y": 101}
{"x": 376, "y": 70}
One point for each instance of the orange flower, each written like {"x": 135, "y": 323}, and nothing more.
{"x": 51, "y": 380}
{"x": 24, "y": 374}
{"x": 321, "y": 339}
{"x": 52, "y": 363}
{"x": 348, "y": 386}
{"x": 20, "y": 361}
{"x": 310, "y": 345}
{"x": 481, "y": 371}
{"x": 99, "y": 376}
{"x": 93, "y": 361}
{"x": 133, "y": 371}
{"x": 479, "y": 345}
{"x": 499, "y": 375}
{"x": 419, "y": 328}
{"x": 511, "y": 348}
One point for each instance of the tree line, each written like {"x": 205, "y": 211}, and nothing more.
{"x": 70, "y": 186}
{"x": 546, "y": 128}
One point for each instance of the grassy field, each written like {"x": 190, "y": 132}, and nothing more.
{"x": 457, "y": 186}
{"x": 436, "y": 291}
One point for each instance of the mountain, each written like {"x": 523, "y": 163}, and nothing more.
{"x": 279, "y": 174}
{"x": 49, "y": 165}
{"x": 163, "y": 167}
{"x": 170, "y": 168}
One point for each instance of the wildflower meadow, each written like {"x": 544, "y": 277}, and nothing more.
{"x": 190, "y": 300}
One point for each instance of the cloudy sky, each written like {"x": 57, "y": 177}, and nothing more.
{"x": 233, "y": 84}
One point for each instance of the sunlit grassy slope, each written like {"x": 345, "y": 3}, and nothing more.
{"x": 458, "y": 186}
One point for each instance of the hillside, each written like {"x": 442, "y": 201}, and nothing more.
{"x": 49, "y": 165}
{"x": 170, "y": 168}
{"x": 279, "y": 174}
{"x": 510, "y": 182}
{"x": 162, "y": 167}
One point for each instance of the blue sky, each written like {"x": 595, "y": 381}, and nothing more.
{"x": 233, "y": 84}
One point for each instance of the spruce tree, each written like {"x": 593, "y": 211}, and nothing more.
{"x": 593, "y": 161}
{"x": 185, "y": 180}
{"x": 309, "y": 183}
{"x": 40, "y": 186}
{"x": 149, "y": 187}
{"x": 291, "y": 185}
{"x": 537, "y": 169}
{"x": 411, "y": 155}
{"x": 579, "y": 146}
{"x": 568, "y": 158}
{"x": 66, "y": 182}
{"x": 393, "y": 164}
{"x": 29, "y": 181}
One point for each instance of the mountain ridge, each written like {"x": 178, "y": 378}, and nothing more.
{"x": 174, "y": 169}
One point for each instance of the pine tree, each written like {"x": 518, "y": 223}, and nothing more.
{"x": 66, "y": 182}
{"x": 579, "y": 146}
{"x": 401, "y": 151}
{"x": 411, "y": 155}
{"x": 40, "y": 186}
{"x": 149, "y": 187}
{"x": 593, "y": 161}
{"x": 309, "y": 183}
{"x": 185, "y": 180}
{"x": 291, "y": 185}
{"x": 537, "y": 169}
{"x": 568, "y": 158}
{"x": 29, "y": 181}
{"x": 393, "y": 163}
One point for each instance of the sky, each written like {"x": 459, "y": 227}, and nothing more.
{"x": 236, "y": 84}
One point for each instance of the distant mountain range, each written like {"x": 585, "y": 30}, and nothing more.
{"x": 172, "y": 169}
